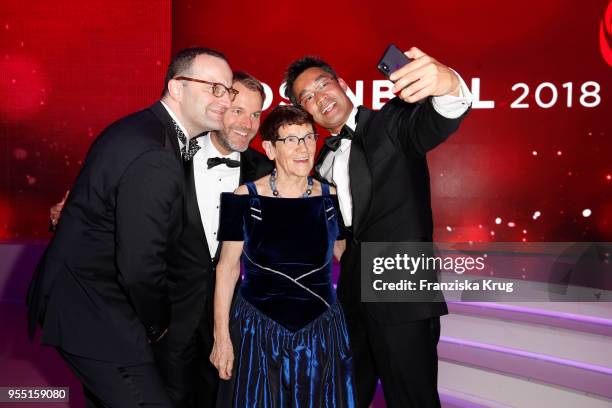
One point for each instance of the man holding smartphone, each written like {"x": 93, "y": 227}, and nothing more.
{"x": 377, "y": 161}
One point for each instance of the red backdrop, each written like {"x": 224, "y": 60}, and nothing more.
{"x": 67, "y": 70}
{"x": 510, "y": 173}
{"x": 488, "y": 169}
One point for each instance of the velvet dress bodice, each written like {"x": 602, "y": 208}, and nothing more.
{"x": 287, "y": 253}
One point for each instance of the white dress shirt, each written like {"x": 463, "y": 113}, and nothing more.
{"x": 210, "y": 183}
{"x": 335, "y": 165}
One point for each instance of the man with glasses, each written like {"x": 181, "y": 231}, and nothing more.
{"x": 222, "y": 160}
{"x": 103, "y": 290}
{"x": 377, "y": 161}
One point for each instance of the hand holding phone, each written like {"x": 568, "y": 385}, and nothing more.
{"x": 392, "y": 60}
{"x": 424, "y": 77}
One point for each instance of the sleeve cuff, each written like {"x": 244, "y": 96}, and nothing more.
{"x": 452, "y": 107}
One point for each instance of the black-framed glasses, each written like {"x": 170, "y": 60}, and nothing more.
{"x": 218, "y": 89}
{"x": 294, "y": 141}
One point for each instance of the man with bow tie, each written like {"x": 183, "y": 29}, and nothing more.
{"x": 104, "y": 291}
{"x": 377, "y": 161}
{"x": 218, "y": 161}
{"x": 199, "y": 97}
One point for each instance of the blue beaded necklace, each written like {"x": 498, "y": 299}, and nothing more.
{"x": 276, "y": 193}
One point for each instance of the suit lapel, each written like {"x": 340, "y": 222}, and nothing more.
{"x": 171, "y": 137}
{"x": 359, "y": 172}
{"x": 247, "y": 170}
{"x": 192, "y": 210}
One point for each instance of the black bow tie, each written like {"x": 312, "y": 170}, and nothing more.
{"x": 215, "y": 161}
{"x": 333, "y": 142}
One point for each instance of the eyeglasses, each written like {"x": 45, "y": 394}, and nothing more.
{"x": 309, "y": 96}
{"x": 294, "y": 141}
{"x": 218, "y": 89}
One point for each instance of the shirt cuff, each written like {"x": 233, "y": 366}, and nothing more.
{"x": 450, "y": 106}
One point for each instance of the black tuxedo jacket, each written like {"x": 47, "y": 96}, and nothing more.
{"x": 191, "y": 265}
{"x": 101, "y": 287}
{"x": 389, "y": 181}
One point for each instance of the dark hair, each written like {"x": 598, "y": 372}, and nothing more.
{"x": 250, "y": 82}
{"x": 182, "y": 62}
{"x": 283, "y": 115}
{"x": 297, "y": 67}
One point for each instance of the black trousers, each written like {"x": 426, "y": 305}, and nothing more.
{"x": 107, "y": 384}
{"x": 403, "y": 356}
{"x": 190, "y": 378}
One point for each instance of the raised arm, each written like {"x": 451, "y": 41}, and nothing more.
{"x": 424, "y": 126}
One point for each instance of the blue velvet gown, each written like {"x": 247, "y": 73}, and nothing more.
{"x": 290, "y": 339}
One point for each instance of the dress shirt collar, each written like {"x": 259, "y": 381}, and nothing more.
{"x": 178, "y": 122}
{"x": 351, "y": 122}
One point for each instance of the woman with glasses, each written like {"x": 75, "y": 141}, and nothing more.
{"x": 283, "y": 342}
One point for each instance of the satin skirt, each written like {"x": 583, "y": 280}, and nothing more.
{"x": 276, "y": 367}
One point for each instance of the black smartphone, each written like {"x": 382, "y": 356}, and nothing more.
{"x": 392, "y": 60}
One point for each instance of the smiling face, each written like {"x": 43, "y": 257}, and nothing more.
{"x": 241, "y": 120}
{"x": 194, "y": 104}
{"x": 324, "y": 98}
{"x": 292, "y": 160}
